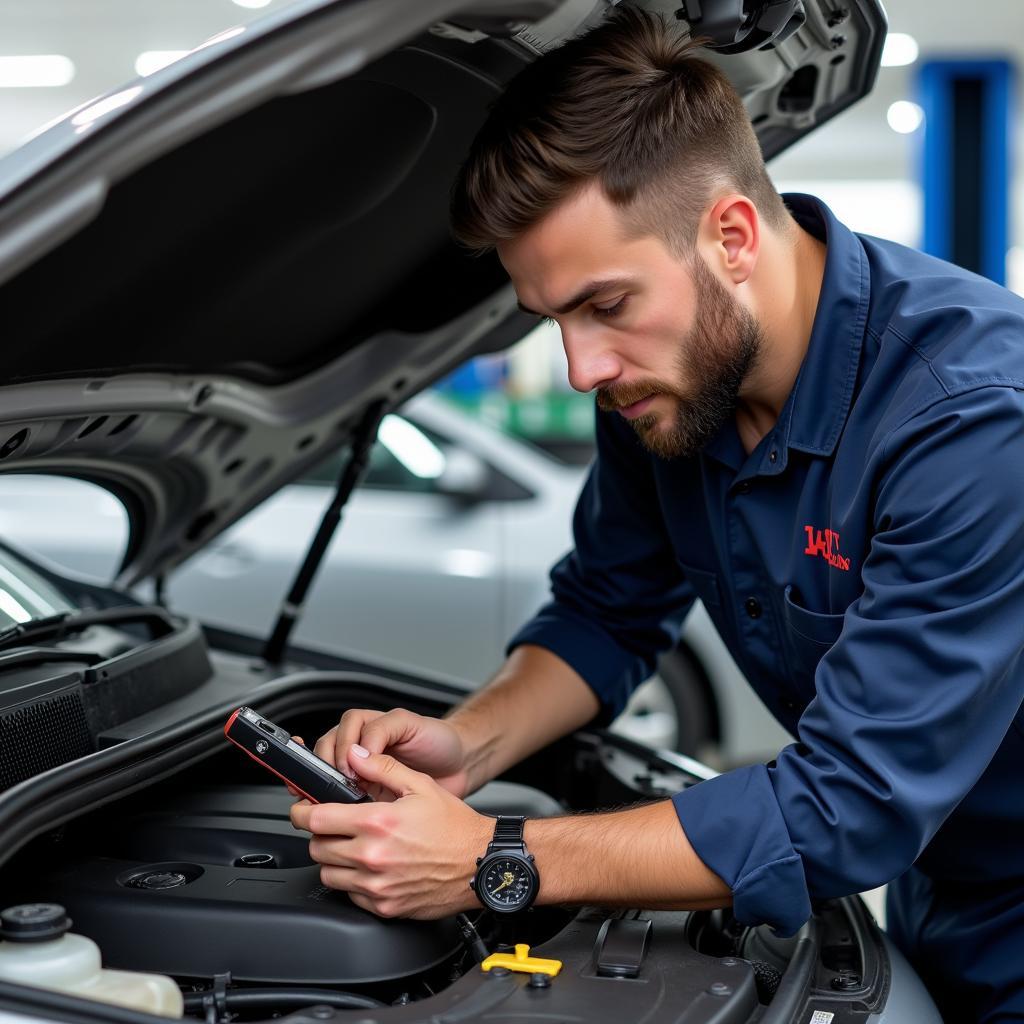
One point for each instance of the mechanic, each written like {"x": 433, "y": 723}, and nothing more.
{"x": 821, "y": 436}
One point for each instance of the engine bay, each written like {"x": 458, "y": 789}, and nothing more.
{"x": 208, "y": 882}
{"x": 176, "y": 856}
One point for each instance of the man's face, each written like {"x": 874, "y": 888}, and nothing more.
{"x": 660, "y": 339}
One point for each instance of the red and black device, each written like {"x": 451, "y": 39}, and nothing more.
{"x": 270, "y": 745}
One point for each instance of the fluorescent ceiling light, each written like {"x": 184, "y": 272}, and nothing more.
{"x": 252, "y": 4}
{"x": 49, "y": 70}
{"x": 905, "y": 117}
{"x": 899, "y": 50}
{"x": 153, "y": 60}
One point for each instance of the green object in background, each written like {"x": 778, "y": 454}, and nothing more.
{"x": 557, "y": 415}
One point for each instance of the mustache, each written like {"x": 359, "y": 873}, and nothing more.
{"x": 618, "y": 396}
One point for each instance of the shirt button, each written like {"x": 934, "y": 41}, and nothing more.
{"x": 752, "y": 607}
{"x": 773, "y": 456}
{"x": 743, "y": 488}
{"x": 789, "y": 704}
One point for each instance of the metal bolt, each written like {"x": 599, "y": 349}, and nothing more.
{"x": 847, "y": 981}
{"x": 719, "y": 988}
{"x": 837, "y": 42}
{"x": 540, "y": 981}
{"x": 162, "y": 880}
{"x": 837, "y": 17}
{"x": 256, "y": 860}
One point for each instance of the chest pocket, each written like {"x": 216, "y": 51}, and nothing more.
{"x": 808, "y": 635}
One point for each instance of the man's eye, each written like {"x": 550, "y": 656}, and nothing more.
{"x": 607, "y": 312}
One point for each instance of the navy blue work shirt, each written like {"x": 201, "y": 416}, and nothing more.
{"x": 865, "y": 566}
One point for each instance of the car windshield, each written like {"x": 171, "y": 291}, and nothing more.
{"x": 24, "y": 594}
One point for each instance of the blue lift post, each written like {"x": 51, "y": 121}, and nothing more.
{"x": 966, "y": 162}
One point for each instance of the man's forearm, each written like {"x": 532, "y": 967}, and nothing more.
{"x": 534, "y": 699}
{"x": 639, "y": 857}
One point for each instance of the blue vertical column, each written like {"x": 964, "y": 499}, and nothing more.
{"x": 966, "y": 160}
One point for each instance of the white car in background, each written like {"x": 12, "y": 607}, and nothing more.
{"x": 443, "y": 552}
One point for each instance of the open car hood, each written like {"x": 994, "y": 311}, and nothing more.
{"x": 209, "y": 276}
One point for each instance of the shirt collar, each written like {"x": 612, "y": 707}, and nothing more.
{"x": 815, "y": 411}
{"x": 821, "y": 397}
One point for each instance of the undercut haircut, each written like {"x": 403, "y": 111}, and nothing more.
{"x": 630, "y": 106}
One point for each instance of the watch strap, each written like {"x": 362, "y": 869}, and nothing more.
{"x": 508, "y": 833}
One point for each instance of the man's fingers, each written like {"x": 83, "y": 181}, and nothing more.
{"x": 324, "y": 748}
{"x": 346, "y": 879}
{"x": 332, "y": 819}
{"x": 299, "y": 814}
{"x": 361, "y": 888}
{"x": 348, "y": 731}
{"x": 333, "y": 852}
{"x": 374, "y": 731}
{"x": 386, "y": 771}
{"x": 388, "y": 731}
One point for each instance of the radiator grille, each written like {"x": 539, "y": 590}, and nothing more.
{"x": 42, "y": 734}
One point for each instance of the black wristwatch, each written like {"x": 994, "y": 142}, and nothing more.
{"x": 506, "y": 878}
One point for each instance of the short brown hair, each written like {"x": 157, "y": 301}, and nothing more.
{"x": 626, "y": 104}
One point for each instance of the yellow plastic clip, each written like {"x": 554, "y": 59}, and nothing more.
{"x": 522, "y": 961}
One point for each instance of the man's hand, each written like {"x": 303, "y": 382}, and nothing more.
{"x": 492, "y": 729}
{"x": 412, "y": 856}
{"x": 427, "y": 745}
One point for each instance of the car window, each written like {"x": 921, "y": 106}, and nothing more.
{"x": 70, "y": 524}
{"x": 24, "y": 594}
{"x": 406, "y": 457}
{"x": 412, "y": 458}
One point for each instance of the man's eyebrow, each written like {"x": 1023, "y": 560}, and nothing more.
{"x": 587, "y": 292}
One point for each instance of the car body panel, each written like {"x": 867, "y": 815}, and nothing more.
{"x": 241, "y": 327}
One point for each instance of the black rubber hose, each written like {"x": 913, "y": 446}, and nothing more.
{"x": 284, "y": 999}
{"x": 471, "y": 937}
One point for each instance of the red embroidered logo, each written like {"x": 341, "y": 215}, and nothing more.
{"x": 825, "y": 544}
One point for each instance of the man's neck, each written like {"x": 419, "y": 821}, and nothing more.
{"x": 786, "y": 292}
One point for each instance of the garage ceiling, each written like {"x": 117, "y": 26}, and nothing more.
{"x": 103, "y": 38}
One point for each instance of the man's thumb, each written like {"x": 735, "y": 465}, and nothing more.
{"x": 385, "y": 770}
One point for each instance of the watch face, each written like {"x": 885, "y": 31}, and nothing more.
{"x": 506, "y": 883}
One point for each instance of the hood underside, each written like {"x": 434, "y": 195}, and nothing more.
{"x": 208, "y": 277}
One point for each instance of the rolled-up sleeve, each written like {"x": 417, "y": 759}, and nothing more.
{"x": 619, "y": 596}
{"x": 916, "y": 695}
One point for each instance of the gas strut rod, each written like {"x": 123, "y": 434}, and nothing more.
{"x": 291, "y": 607}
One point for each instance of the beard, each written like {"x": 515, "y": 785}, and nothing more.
{"x": 712, "y": 362}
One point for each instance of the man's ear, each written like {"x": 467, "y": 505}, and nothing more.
{"x": 730, "y": 237}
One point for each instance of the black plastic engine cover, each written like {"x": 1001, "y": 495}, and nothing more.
{"x": 159, "y": 891}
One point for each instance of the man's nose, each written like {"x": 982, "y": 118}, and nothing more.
{"x": 591, "y": 363}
